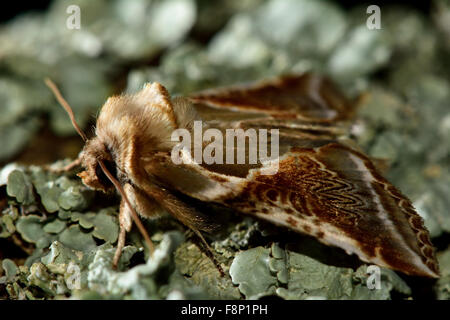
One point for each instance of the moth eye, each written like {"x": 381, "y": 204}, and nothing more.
{"x": 103, "y": 179}
{"x": 112, "y": 168}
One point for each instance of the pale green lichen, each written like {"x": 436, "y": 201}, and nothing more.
{"x": 55, "y": 226}
{"x": 442, "y": 287}
{"x": 201, "y": 271}
{"x": 60, "y": 192}
{"x": 31, "y": 228}
{"x": 289, "y": 274}
{"x": 73, "y": 237}
{"x": 19, "y": 186}
{"x": 10, "y": 269}
{"x": 139, "y": 282}
{"x": 250, "y": 270}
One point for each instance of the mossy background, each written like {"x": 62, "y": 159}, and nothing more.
{"x": 57, "y": 238}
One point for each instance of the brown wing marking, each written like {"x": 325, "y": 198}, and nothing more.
{"x": 335, "y": 194}
{"x": 308, "y": 96}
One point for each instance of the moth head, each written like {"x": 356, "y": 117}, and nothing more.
{"x": 101, "y": 170}
{"x": 94, "y": 152}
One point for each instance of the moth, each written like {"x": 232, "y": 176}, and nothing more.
{"x": 324, "y": 186}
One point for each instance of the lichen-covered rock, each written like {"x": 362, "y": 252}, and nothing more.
{"x": 289, "y": 274}
{"x": 19, "y": 186}
{"x": 139, "y": 282}
{"x": 201, "y": 272}
{"x": 64, "y": 234}
{"x": 250, "y": 270}
{"x": 442, "y": 287}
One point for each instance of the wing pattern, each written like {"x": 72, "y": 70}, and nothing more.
{"x": 324, "y": 186}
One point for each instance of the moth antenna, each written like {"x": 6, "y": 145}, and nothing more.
{"x": 133, "y": 212}
{"x": 66, "y": 107}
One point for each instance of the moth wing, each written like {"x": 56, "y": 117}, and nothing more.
{"x": 331, "y": 192}
{"x": 337, "y": 195}
{"x": 321, "y": 187}
{"x": 303, "y": 107}
{"x": 308, "y": 97}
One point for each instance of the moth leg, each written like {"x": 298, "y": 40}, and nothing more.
{"x": 209, "y": 251}
{"x": 187, "y": 215}
{"x": 125, "y": 226}
{"x": 143, "y": 206}
{"x": 73, "y": 164}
